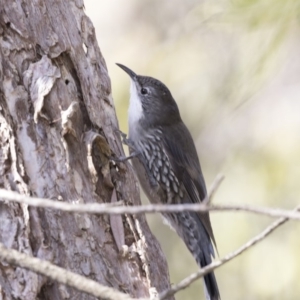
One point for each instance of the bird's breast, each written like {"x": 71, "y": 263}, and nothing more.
{"x": 158, "y": 170}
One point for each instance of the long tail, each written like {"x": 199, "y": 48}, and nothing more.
{"x": 211, "y": 286}
{"x": 199, "y": 243}
{"x": 203, "y": 258}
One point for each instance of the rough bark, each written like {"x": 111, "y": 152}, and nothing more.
{"x": 57, "y": 131}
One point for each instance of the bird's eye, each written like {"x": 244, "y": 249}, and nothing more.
{"x": 144, "y": 91}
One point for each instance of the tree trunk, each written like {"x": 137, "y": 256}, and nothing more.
{"x": 57, "y": 132}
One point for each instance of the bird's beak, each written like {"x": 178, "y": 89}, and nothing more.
{"x": 128, "y": 71}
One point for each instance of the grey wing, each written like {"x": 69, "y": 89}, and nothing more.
{"x": 185, "y": 164}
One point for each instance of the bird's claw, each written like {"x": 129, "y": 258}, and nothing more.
{"x": 128, "y": 143}
{"x": 123, "y": 158}
{"x": 124, "y": 138}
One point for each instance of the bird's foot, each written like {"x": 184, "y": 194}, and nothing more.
{"x": 124, "y": 158}
{"x": 124, "y": 138}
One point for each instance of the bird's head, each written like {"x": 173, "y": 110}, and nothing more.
{"x": 151, "y": 102}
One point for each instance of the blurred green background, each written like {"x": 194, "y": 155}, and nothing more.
{"x": 234, "y": 69}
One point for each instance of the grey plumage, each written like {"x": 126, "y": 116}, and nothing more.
{"x": 168, "y": 167}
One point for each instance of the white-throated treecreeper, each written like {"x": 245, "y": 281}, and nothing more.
{"x": 167, "y": 165}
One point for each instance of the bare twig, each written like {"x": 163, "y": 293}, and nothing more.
{"x": 267, "y": 211}
{"x": 96, "y": 208}
{"x": 61, "y": 275}
{"x": 218, "y": 263}
{"x": 215, "y": 185}
{"x": 86, "y": 285}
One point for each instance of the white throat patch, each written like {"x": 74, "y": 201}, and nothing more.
{"x": 135, "y": 111}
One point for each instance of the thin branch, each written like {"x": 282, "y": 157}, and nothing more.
{"x": 215, "y": 185}
{"x": 96, "y": 208}
{"x": 218, "y": 263}
{"x": 267, "y": 211}
{"x": 61, "y": 275}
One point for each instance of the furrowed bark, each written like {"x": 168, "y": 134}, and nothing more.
{"x": 57, "y": 132}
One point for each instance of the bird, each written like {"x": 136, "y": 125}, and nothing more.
{"x": 165, "y": 160}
